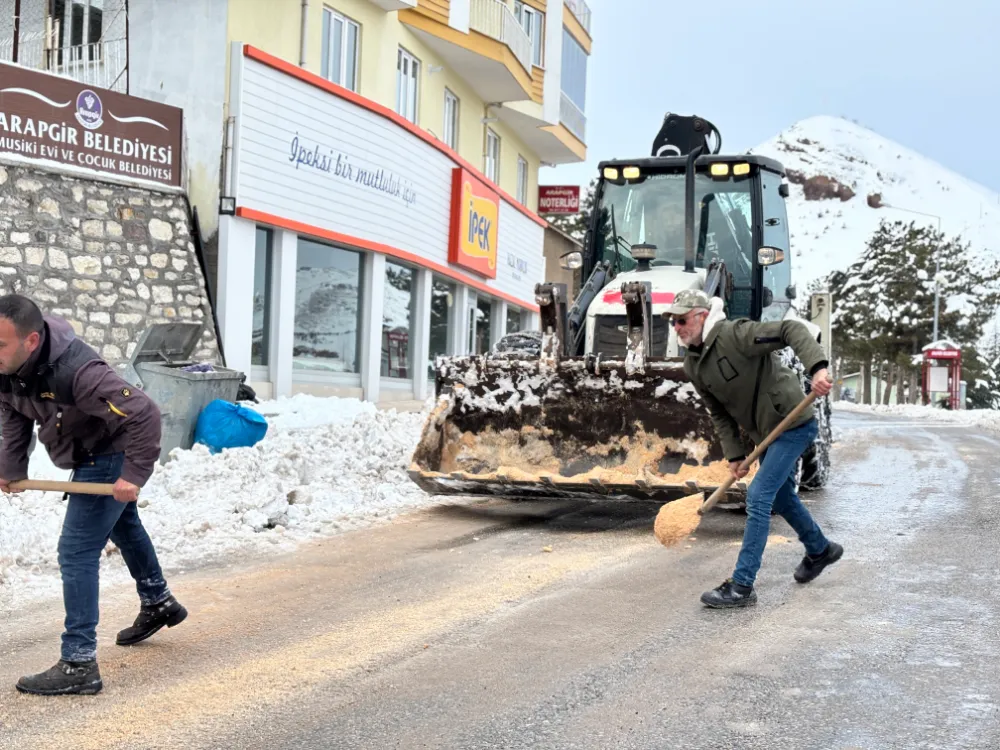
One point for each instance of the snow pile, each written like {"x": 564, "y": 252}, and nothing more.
{"x": 830, "y": 234}
{"x": 303, "y": 410}
{"x": 984, "y": 419}
{"x": 326, "y": 465}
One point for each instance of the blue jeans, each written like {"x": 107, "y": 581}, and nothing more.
{"x": 90, "y": 521}
{"x": 774, "y": 487}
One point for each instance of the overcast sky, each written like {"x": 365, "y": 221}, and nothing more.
{"x": 924, "y": 73}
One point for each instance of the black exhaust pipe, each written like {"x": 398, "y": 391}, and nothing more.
{"x": 689, "y": 208}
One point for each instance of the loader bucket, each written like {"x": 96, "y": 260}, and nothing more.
{"x": 576, "y": 428}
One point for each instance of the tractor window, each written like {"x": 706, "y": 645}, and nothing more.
{"x": 651, "y": 210}
{"x": 778, "y": 277}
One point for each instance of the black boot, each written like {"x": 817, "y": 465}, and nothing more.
{"x": 151, "y": 618}
{"x": 65, "y": 678}
{"x": 810, "y": 567}
{"x": 729, "y": 594}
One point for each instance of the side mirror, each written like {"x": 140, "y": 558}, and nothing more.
{"x": 768, "y": 297}
{"x": 783, "y": 190}
{"x": 792, "y": 292}
{"x": 571, "y": 260}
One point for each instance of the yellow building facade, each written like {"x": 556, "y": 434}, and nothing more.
{"x": 380, "y": 183}
{"x": 477, "y": 83}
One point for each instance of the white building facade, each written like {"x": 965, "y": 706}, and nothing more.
{"x": 356, "y": 247}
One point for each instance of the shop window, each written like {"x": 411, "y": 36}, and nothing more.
{"x": 480, "y": 325}
{"x": 522, "y": 181}
{"x": 513, "y": 320}
{"x": 328, "y": 303}
{"x": 397, "y": 322}
{"x": 492, "y": 162}
{"x": 442, "y": 304}
{"x": 260, "y": 345}
{"x": 340, "y": 49}
{"x": 451, "y": 119}
{"x": 407, "y": 80}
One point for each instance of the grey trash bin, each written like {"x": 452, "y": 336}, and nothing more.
{"x": 155, "y": 367}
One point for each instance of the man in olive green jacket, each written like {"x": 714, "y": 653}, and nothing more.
{"x": 735, "y": 367}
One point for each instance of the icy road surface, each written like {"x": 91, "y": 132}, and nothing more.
{"x": 453, "y": 628}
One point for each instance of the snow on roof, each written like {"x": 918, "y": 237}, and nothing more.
{"x": 941, "y": 344}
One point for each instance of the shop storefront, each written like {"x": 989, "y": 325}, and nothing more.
{"x": 356, "y": 246}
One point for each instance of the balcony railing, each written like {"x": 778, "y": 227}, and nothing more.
{"x": 573, "y": 118}
{"x": 101, "y": 64}
{"x": 494, "y": 19}
{"x": 581, "y": 10}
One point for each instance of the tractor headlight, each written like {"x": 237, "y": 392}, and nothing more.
{"x": 571, "y": 260}
{"x": 769, "y": 256}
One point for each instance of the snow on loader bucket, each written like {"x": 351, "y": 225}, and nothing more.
{"x": 574, "y": 427}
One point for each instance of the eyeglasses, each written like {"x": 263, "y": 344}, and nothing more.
{"x": 681, "y": 321}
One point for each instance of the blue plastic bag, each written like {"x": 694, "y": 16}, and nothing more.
{"x": 225, "y": 425}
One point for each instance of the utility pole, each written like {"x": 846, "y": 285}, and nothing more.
{"x": 937, "y": 263}
{"x": 17, "y": 30}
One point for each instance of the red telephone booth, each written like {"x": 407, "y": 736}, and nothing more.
{"x": 942, "y": 371}
{"x": 397, "y": 342}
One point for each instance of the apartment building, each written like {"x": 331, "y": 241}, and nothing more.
{"x": 364, "y": 171}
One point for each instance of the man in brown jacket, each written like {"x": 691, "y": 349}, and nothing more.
{"x": 93, "y": 422}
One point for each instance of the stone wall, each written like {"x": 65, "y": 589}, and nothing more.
{"x": 110, "y": 259}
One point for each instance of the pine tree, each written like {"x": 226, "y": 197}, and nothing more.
{"x": 884, "y": 303}
{"x": 886, "y": 298}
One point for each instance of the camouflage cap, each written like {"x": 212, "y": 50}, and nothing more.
{"x": 689, "y": 299}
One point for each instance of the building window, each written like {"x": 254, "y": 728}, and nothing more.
{"x": 77, "y": 23}
{"x": 397, "y": 320}
{"x": 574, "y": 71}
{"x": 340, "y": 49}
{"x": 407, "y": 78}
{"x": 480, "y": 325}
{"x": 522, "y": 181}
{"x": 513, "y": 319}
{"x": 492, "y": 165}
{"x": 451, "y": 119}
{"x": 442, "y": 304}
{"x": 260, "y": 345}
{"x": 533, "y": 23}
{"x": 328, "y": 305}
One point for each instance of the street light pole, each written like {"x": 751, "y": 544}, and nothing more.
{"x": 937, "y": 263}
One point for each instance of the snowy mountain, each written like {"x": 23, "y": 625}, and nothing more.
{"x": 846, "y": 178}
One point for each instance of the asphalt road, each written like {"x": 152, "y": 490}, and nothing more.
{"x": 454, "y": 628}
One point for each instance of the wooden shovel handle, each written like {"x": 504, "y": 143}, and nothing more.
{"x": 81, "y": 488}
{"x": 748, "y": 461}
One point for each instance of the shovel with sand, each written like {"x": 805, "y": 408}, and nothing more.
{"x": 678, "y": 519}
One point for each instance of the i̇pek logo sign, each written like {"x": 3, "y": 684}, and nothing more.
{"x": 475, "y": 215}
{"x": 47, "y": 118}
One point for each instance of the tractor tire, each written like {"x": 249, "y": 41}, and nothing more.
{"x": 815, "y": 461}
{"x": 813, "y": 470}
